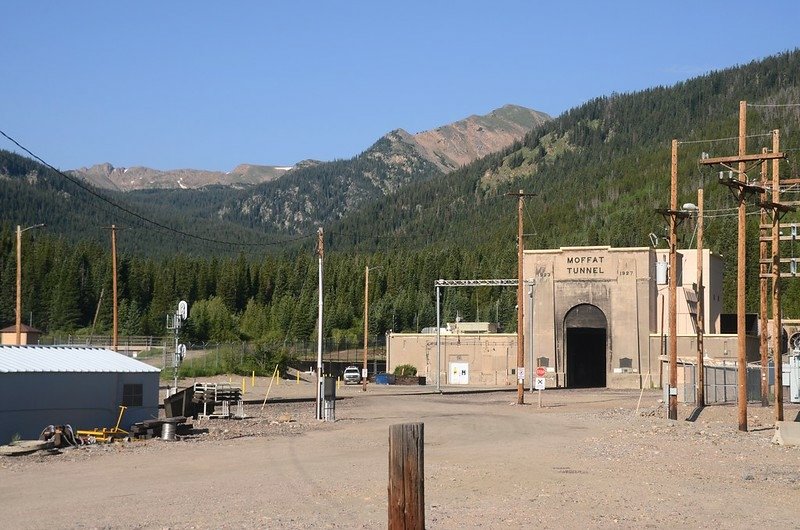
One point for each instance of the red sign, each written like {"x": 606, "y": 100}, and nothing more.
{"x": 540, "y": 371}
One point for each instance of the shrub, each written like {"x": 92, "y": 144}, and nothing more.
{"x": 405, "y": 370}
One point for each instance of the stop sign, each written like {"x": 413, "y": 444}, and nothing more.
{"x": 540, "y": 371}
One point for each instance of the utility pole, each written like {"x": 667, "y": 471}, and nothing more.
{"x": 115, "y": 339}
{"x": 19, "y": 286}
{"x": 520, "y": 298}
{"x": 673, "y": 283}
{"x": 366, "y": 326}
{"x": 741, "y": 257}
{"x": 674, "y": 216}
{"x": 18, "y": 324}
{"x": 777, "y": 326}
{"x": 762, "y": 289}
{"x": 741, "y": 188}
{"x": 520, "y": 304}
{"x": 777, "y": 210}
{"x": 701, "y": 384}
{"x": 321, "y": 254}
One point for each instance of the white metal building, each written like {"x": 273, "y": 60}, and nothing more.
{"x": 82, "y": 387}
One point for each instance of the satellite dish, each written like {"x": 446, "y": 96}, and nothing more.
{"x": 183, "y": 309}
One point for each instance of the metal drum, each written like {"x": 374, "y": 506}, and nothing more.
{"x": 168, "y": 432}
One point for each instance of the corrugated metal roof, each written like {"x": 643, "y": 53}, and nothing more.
{"x": 67, "y": 359}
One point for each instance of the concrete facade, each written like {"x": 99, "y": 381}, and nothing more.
{"x": 593, "y": 317}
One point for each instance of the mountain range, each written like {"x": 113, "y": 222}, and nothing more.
{"x": 106, "y": 176}
{"x": 447, "y": 147}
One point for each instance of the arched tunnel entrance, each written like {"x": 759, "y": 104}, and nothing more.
{"x": 586, "y": 337}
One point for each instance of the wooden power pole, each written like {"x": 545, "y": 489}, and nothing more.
{"x": 19, "y": 287}
{"x": 741, "y": 257}
{"x": 673, "y": 283}
{"x": 115, "y": 339}
{"x": 520, "y": 298}
{"x": 742, "y": 188}
{"x": 777, "y": 325}
{"x": 674, "y": 216}
{"x": 701, "y": 306}
{"x": 520, "y": 310}
{"x": 763, "y": 263}
{"x": 18, "y": 317}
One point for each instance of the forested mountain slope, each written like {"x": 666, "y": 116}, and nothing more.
{"x": 598, "y": 171}
{"x": 31, "y": 193}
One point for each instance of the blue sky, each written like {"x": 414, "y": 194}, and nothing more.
{"x": 210, "y": 85}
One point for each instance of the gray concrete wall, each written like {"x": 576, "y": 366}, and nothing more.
{"x": 30, "y": 401}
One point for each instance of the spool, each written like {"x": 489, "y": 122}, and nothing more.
{"x": 168, "y": 432}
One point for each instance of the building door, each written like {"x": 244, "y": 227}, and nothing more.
{"x": 459, "y": 373}
{"x": 586, "y": 336}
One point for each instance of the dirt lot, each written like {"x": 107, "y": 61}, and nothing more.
{"x": 585, "y": 459}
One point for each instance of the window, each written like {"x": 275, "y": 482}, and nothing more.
{"x": 132, "y": 395}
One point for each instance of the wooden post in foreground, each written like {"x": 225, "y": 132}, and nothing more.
{"x": 406, "y": 476}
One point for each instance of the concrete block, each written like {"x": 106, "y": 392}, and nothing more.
{"x": 787, "y": 433}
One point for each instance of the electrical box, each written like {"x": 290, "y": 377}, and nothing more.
{"x": 329, "y": 389}
{"x": 661, "y": 272}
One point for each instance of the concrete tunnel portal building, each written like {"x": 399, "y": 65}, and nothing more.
{"x": 593, "y": 317}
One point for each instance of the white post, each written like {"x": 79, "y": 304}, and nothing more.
{"x": 530, "y": 295}
{"x": 319, "y": 334}
{"x": 438, "y": 343}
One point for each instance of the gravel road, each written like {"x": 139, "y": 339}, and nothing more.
{"x": 587, "y": 458}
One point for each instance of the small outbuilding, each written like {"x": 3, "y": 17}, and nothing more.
{"x": 82, "y": 387}
{"x": 27, "y": 335}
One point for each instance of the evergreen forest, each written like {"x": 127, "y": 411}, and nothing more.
{"x": 599, "y": 171}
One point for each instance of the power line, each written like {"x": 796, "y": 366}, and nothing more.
{"x": 711, "y": 140}
{"x": 773, "y": 104}
{"x": 91, "y": 191}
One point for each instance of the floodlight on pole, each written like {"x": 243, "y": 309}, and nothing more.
{"x": 18, "y": 324}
